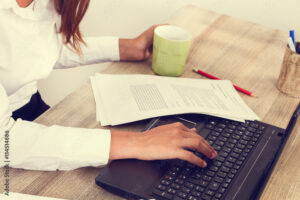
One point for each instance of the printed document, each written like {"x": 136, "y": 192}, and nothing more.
{"x": 127, "y": 98}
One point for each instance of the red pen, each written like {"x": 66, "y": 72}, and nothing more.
{"x": 216, "y": 78}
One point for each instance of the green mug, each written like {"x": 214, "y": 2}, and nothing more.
{"x": 171, "y": 46}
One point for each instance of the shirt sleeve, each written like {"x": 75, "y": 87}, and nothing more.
{"x": 96, "y": 50}
{"x": 33, "y": 146}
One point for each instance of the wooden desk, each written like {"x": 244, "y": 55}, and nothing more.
{"x": 248, "y": 54}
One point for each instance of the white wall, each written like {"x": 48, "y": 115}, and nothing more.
{"x": 128, "y": 18}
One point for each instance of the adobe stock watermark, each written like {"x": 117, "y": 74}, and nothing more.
{"x": 6, "y": 163}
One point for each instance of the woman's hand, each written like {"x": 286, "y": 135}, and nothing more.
{"x": 164, "y": 142}
{"x": 137, "y": 49}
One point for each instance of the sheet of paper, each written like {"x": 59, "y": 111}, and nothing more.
{"x": 128, "y": 98}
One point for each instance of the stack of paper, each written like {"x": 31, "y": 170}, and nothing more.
{"x": 127, "y": 98}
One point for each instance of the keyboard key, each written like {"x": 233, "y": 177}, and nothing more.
{"x": 169, "y": 178}
{"x": 228, "y": 180}
{"x": 228, "y": 164}
{"x": 205, "y": 197}
{"x": 231, "y": 140}
{"x": 221, "y": 159}
{"x": 214, "y": 186}
{"x": 210, "y": 173}
{"x": 203, "y": 183}
{"x": 175, "y": 186}
{"x": 192, "y": 198}
{"x": 237, "y": 150}
{"x": 251, "y": 129}
{"x": 165, "y": 182}
{"x": 179, "y": 181}
{"x": 209, "y": 126}
{"x": 175, "y": 168}
{"x": 222, "y": 190}
{"x": 225, "y": 169}
{"x": 256, "y": 135}
{"x": 247, "y": 150}
{"x": 226, "y": 149}
{"x": 161, "y": 187}
{"x": 237, "y": 137}
{"x": 218, "y": 195}
{"x": 230, "y": 175}
{"x": 229, "y": 145}
{"x": 207, "y": 178}
{"x": 218, "y": 179}
{"x": 213, "y": 122}
{"x": 182, "y": 194}
{"x": 223, "y": 154}
{"x": 231, "y": 159}
{"x": 239, "y": 162}
{"x": 261, "y": 127}
{"x": 210, "y": 192}
{"x": 244, "y": 142}
{"x": 199, "y": 189}
{"x": 211, "y": 137}
{"x": 177, "y": 198}
{"x": 248, "y": 133}
{"x": 221, "y": 174}
{"x": 222, "y": 138}
{"x": 234, "y": 155}
{"x": 189, "y": 185}
{"x": 241, "y": 128}
{"x": 226, "y": 134}
{"x": 236, "y": 166}
{"x": 225, "y": 185}
{"x": 216, "y": 163}
{"x": 196, "y": 194}
{"x": 217, "y": 147}
{"x": 231, "y": 126}
{"x": 214, "y": 168}
{"x": 229, "y": 130}
{"x": 171, "y": 191}
{"x": 242, "y": 158}
{"x": 220, "y": 143}
{"x": 215, "y": 133}
{"x": 240, "y": 146}
{"x": 220, "y": 130}
{"x": 162, "y": 194}
{"x": 185, "y": 190}
{"x": 254, "y": 125}
{"x": 221, "y": 125}
{"x": 182, "y": 176}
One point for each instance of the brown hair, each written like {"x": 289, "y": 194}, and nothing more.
{"x": 72, "y": 12}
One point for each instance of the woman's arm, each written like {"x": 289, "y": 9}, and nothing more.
{"x": 103, "y": 49}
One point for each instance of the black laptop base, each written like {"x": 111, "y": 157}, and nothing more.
{"x": 246, "y": 153}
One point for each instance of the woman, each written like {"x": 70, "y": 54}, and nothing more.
{"x": 32, "y": 43}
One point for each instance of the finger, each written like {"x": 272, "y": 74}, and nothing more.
{"x": 198, "y": 145}
{"x": 195, "y": 135}
{"x": 190, "y": 157}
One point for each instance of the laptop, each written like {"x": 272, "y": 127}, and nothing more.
{"x": 247, "y": 154}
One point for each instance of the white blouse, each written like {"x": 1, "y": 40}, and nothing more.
{"x": 29, "y": 49}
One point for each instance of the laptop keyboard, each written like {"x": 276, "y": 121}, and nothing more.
{"x": 234, "y": 142}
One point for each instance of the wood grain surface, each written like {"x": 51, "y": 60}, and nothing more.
{"x": 248, "y": 54}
